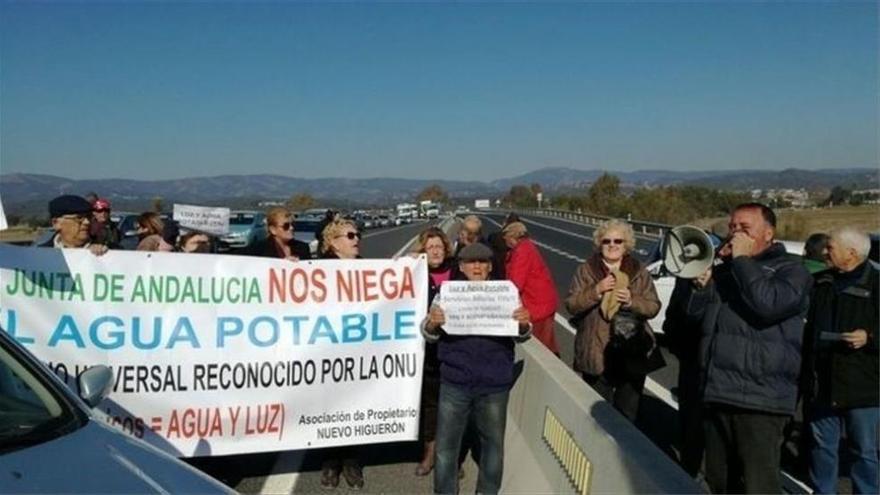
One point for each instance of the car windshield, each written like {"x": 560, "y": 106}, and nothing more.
{"x": 241, "y": 219}
{"x": 32, "y": 410}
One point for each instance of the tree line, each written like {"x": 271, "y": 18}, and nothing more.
{"x": 668, "y": 204}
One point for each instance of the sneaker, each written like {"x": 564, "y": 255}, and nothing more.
{"x": 354, "y": 476}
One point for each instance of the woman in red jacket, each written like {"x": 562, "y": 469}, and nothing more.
{"x": 526, "y": 269}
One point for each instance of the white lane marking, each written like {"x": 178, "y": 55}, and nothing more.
{"x": 288, "y": 463}
{"x": 581, "y": 224}
{"x": 392, "y": 229}
{"x": 547, "y": 246}
{"x": 558, "y": 251}
{"x": 655, "y": 388}
{"x": 790, "y": 483}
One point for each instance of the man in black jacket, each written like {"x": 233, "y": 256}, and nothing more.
{"x": 751, "y": 311}
{"x": 842, "y": 375}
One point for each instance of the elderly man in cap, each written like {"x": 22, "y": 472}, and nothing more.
{"x": 842, "y": 375}
{"x": 476, "y": 373}
{"x": 71, "y": 218}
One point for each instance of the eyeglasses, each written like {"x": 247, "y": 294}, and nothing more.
{"x": 76, "y": 218}
{"x": 285, "y": 226}
{"x": 606, "y": 242}
{"x": 100, "y": 210}
{"x": 351, "y": 235}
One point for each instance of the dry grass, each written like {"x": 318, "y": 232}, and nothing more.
{"x": 797, "y": 225}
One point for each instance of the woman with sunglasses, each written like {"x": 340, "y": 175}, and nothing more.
{"x": 612, "y": 281}
{"x": 279, "y": 241}
{"x": 341, "y": 240}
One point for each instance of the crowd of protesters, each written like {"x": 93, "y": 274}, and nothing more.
{"x": 757, "y": 334}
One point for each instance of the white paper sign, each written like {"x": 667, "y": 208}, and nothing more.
{"x": 479, "y": 308}
{"x": 219, "y": 354}
{"x": 206, "y": 219}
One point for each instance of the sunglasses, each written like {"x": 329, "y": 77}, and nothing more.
{"x": 351, "y": 235}
{"x": 285, "y": 226}
{"x": 606, "y": 242}
{"x": 100, "y": 210}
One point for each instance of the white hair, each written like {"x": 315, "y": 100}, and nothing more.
{"x": 850, "y": 237}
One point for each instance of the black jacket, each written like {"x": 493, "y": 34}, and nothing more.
{"x": 267, "y": 249}
{"x": 752, "y": 321}
{"x": 836, "y": 375}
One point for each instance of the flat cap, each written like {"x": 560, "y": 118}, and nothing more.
{"x": 475, "y": 252}
{"x": 68, "y": 204}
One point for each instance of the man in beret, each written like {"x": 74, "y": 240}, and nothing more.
{"x": 476, "y": 373}
{"x": 70, "y": 218}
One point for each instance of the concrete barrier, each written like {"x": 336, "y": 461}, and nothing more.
{"x": 562, "y": 437}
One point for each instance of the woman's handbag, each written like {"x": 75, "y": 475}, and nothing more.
{"x": 629, "y": 334}
{"x": 631, "y": 349}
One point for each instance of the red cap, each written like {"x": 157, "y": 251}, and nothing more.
{"x": 101, "y": 204}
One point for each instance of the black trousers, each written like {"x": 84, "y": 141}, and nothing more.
{"x": 743, "y": 449}
{"x": 690, "y": 417}
{"x": 624, "y": 393}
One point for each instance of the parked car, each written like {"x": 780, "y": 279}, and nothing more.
{"x": 51, "y": 442}
{"x": 245, "y": 228}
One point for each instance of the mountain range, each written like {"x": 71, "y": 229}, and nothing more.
{"x": 22, "y": 192}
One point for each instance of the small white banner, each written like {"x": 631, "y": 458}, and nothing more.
{"x": 207, "y": 219}
{"x": 479, "y": 308}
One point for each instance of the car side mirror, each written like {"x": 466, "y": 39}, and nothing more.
{"x": 94, "y": 384}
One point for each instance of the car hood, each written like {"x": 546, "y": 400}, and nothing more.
{"x": 234, "y": 229}
{"x": 98, "y": 459}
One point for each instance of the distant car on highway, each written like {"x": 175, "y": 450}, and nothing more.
{"x": 51, "y": 442}
{"x": 245, "y": 228}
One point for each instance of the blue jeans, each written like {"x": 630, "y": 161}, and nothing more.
{"x": 489, "y": 414}
{"x": 861, "y": 431}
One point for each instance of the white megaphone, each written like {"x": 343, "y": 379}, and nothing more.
{"x": 687, "y": 251}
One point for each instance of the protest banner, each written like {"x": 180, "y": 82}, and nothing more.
{"x": 218, "y": 354}
{"x": 207, "y": 219}
{"x": 479, "y": 308}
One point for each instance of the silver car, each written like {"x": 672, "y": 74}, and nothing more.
{"x": 50, "y": 441}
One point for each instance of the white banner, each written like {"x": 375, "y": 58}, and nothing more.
{"x": 479, "y": 308}
{"x": 219, "y": 354}
{"x": 207, "y": 219}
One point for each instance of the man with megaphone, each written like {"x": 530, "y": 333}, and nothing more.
{"x": 750, "y": 307}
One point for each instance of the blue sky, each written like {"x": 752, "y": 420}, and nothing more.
{"x": 164, "y": 90}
